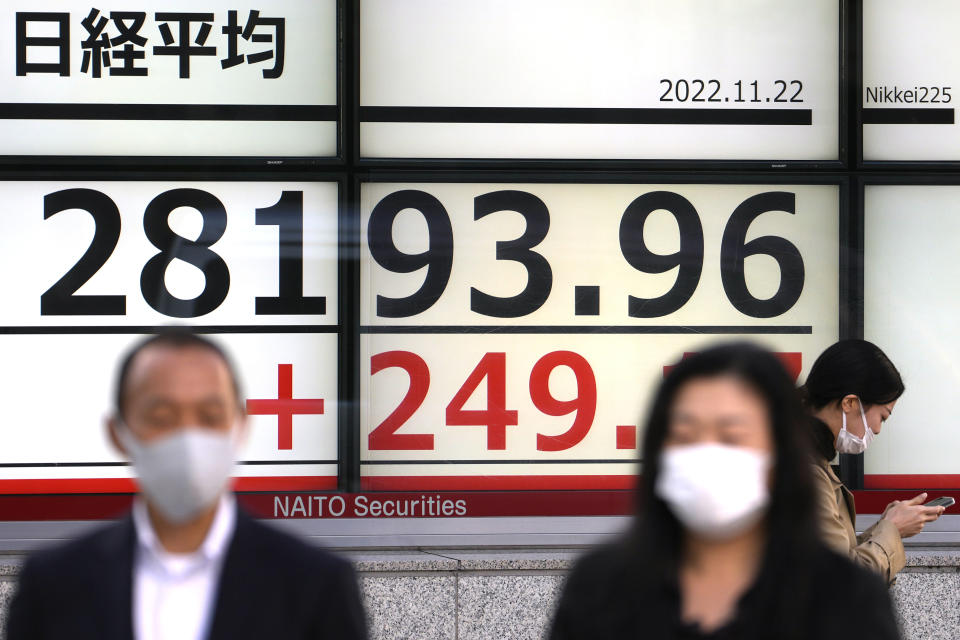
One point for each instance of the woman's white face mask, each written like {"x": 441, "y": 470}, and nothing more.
{"x": 849, "y": 443}
{"x": 716, "y": 491}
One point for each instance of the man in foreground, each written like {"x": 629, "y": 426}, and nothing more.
{"x": 186, "y": 563}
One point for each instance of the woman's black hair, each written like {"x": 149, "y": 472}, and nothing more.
{"x": 852, "y": 367}
{"x": 657, "y": 536}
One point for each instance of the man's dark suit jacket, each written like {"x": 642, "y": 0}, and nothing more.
{"x": 272, "y": 585}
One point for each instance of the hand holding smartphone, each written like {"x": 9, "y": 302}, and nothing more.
{"x": 910, "y": 516}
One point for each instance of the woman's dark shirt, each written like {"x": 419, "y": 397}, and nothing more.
{"x": 607, "y": 598}
{"x": 823, "y": 439}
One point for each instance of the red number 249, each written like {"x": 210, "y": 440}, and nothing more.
{"x": 496, "y": 417}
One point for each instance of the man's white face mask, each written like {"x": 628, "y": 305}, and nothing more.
{"x": 849, "y": 443}
{"x": 717, "y": 491}
{"x": 185, "y": 472}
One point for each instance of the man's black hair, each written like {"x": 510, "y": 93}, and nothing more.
{"x": 173, "y": 338}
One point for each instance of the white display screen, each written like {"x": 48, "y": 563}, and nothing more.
{"x": 911, "y": 306}
{"x": 171, "y": 78}
{"x": 512, "y": 334}
{"x": 100, "y": 263}
{"x": 548, "y": 79}
{"x": 911, "y": 71}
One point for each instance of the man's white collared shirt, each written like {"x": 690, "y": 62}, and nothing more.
{"x": 174, "y": 594}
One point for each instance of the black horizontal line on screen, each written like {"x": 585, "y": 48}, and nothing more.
{"x": 232, "y": 328}
{"x": 28, "y": 465}
{"x": 392, "y": 462}
{"x": 566, "y": 115}
{"x": 921, "y": 115}
{"x": 612, "y": 330}
{"x": 284, "y": 462}
{"x": 226, "y": 112}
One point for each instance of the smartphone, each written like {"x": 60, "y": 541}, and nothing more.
{"x": 945, "y": 501}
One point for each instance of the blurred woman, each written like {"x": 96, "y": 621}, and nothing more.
{"x": 851, "y": 390}
{"x": 724, "y": 544}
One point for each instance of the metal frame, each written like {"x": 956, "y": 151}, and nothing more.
{"x": 849, "y": 172}
{"x": 566, "y": 532}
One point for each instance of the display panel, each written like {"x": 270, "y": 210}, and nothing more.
{"x": 911, "y": 305}
{"x": 911, "y": 69}
{"x": 683, "y": 80}
{"x": 97, "y": 263}
{"x": 173, "y": 78}
{"x": 511, "y": 334}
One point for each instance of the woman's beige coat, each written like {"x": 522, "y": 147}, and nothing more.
{"x": 880, "y": 547}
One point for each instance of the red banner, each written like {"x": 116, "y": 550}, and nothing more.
{"x": 425, "y": 504}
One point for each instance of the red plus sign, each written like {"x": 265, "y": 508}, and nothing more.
{"x": 284, "y": 407}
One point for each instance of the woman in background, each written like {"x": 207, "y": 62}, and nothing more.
{"x": 851, "y": 390}
{"x": 725, "y": 542}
